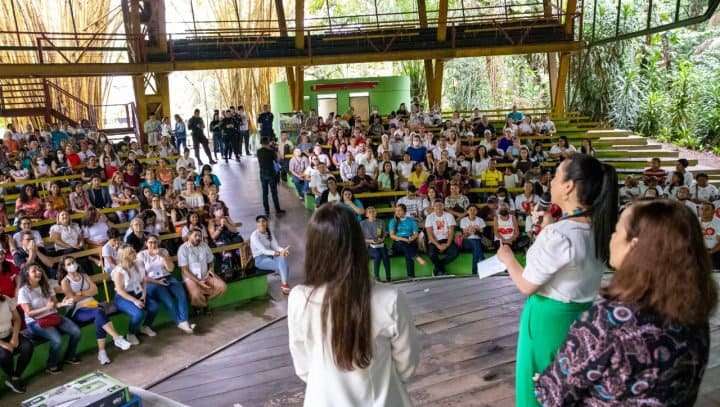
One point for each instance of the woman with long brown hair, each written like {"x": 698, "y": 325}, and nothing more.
{"x": 646, "y": 341}
{"x": 352, "y": 341}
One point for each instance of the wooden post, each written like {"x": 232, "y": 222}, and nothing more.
{"x": 559, "y": 100}
{"x": 299, "y": 88}
{"x": 282, "y": 25}
{"x": 299, "y": 24}
{"x": 429, "y": 74}
{"x": 438, "y": 80}
{"x": 551, "y": 56}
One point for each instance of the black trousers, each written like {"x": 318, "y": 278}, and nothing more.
{"x": 269, "y": 182}
{"x": 450, "y": 254}
{"x": 201, "y": 140}
{"x": 244, "y": 140}
{"x": 409, "y": 250}
{"x": 24, "y": 349}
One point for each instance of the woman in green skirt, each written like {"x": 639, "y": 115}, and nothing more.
{"x": 564, "y": 265}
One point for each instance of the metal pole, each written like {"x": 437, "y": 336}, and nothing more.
{"x": 377, "y": 19}
{"x": 327, "y": 7}
{"x": 192, "y": 12}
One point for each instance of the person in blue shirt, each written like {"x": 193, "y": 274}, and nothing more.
{"x": 57, "y": 136}
{"x": 354, "y": 204}
{"x": 152, "y": 183}
{"x": 515, "y": 115}
{"x": 404, "y": 234}
{"x": 417, "y": 150}
{"x": 207, "y": 170}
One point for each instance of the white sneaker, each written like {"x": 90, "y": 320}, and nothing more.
{"x": 186, "y": 327}
{"x": 132, "y": 339}
{"x": 103, "y": 358}
{"x": 121, "y": 343}
{"x": 147, "y": 331}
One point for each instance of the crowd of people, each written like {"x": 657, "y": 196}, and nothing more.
{"x": 74, "y": 205}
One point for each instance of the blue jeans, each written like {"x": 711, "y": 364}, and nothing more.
{"x": 300, "y": 186}
{"x": 172, "y": 296}
{"x": 409, "y": 250}
{"x": 96, "y": 315}
{"x": 136, "y": 314}
{"x": 54, "y": 337}
{"x": 378, "y": 254}
{"x": 275, "y": 263}
{"x": 476, "y": 247}
{"x": 180, "y": 141}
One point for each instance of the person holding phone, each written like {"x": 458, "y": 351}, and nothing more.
{"x": 161, "y": 286}
{"x": 267, "y": 252}
{"x": 131, "y": 296}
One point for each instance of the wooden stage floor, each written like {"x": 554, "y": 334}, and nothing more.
{"x": 469, "y": 333}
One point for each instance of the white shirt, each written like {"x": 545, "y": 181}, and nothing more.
{"x": 188, "y": 163}
{"x": 524, "y": 204}
{"x": 96, "y": 233}
{"x": 479, "y": 166}
{"x": 441, "y": 226}
{"x": 562, "y": 262}
{"x": 706, "y": 193}
{"x": 556, "y": 149}
{"x": 688, "y": 178}
{"x": 466, "y": 223}
{"x": 35, "y": 298}
{"x": 5, "y": 318}
{"x": 36, "y": 236}
{"x": 132, "y": 279}
{"x": 195, "y": 258}
{"x": 415, "y": 206}
{"x": 405, "y": 169}
{"x": 109, "y": 251}
{"x": 395, "y": 345}
{"x": 319, "y": 182}
{"x": 152, "y": 266}
{"x": 69, "y": 234}
{"x": 711, "y": 232}
{"x": 260, "y": 245}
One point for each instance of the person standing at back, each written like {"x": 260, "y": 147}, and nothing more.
{"x": 197, "y": 130}
{"x": 267, "y": 159}
{"x": 265, "y": 123}
{"x": 244, "y": 131}
{"x": 352, "y": 341}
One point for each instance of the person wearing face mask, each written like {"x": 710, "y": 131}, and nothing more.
{"x": 78, "y": 287}
{"x": 564, "y": 265}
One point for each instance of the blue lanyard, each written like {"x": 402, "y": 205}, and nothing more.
{"x": 577, "y": 212}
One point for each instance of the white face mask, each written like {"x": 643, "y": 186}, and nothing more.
{"x": 72, "y": 268}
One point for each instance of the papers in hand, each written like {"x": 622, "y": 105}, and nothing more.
{"x": 490, "y": 267}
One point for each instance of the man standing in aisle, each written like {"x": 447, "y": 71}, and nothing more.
{"x": 197, "y": 129}
{"x": 267, "y": 159}
{"x": 152, "y": 130}
{"x": 265, "y": 123}
{"x": 244, "y": 130}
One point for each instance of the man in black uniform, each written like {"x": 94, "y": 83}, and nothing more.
{"x": 265, "y": 123}
{"x": 197, "y": 127}
{"x": 229, "y": 130}
{"x": 267, "y": 158}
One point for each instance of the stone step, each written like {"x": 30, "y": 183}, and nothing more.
{"x": 640, "y": 163}
{"x": 611, "y": 133}
{"x": 623, "y": 153}
{"x": 620, "y": 141}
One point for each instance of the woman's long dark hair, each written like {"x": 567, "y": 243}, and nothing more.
{"x": 336, "y": 257}
{"x": 24, "y": 279}
{"x": 597, "y": 191}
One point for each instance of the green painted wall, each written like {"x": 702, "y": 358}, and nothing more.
{"x": 387, "y": 95}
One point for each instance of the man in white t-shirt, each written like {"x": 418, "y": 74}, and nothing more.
{"x": 440, "y": 228}
{"x": 710, "y": 225}
{"x": 701, "y": 190}
{"x": 196, "y": 260}
{"x": 414, "y": 203}
{"x": 318, "y": 181}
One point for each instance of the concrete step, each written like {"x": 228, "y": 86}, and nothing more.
{"x": 610, "y": 133}
{"x": 640, "y": 163}
{"x": 713, "y": 173}
{"x": 622, "y": 141}
{"x": 623, "y": 153}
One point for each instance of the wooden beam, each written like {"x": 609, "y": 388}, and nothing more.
{"x": 429, "y": 81}
{"x": 422, "y": 13}
{"x": 299, "y": 24}
{"x": 570, "y": 16}
{"x": 282, "y": 25}
{"x": 141, "y": 104}
{"x": 442, "y": 20}
{"x": 437, "y": 80}
{"x": 113, "y": 69}
{"x": 552, "y": 72}
{"x": 299, "y": 88}
{"x": 559, "y": 101}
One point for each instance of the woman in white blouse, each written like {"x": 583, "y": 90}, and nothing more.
{"x": 352, "y": 341}
{"x": 268, "y": 254}
{"x": 564, "y": 266}
{"x": 66, "y": 235}
{"x": 130, "y": 294}
{"x": 161, "y": 286}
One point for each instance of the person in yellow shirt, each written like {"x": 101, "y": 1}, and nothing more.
{"x": 418, "y": 176}
{"x": 491, "y": 177}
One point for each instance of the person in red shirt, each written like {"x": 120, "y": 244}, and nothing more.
{"x": 130, "y": 176}
{"x": 72, "y": 157}
{"x": 655, "y": 172}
